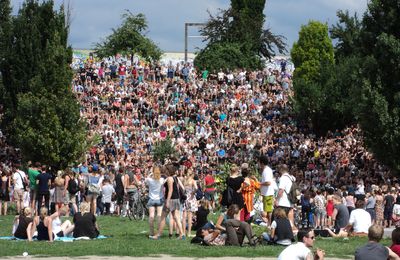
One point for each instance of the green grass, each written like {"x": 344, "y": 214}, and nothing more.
{"x": 129, "y": 238}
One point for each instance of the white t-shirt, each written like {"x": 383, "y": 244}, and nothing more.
{"x": 297, "y": 251}
{"x": 285, "y": 183}
{"x": 267, "y": 176}
{"x": 155, "y": 191}
{"x": 360, "y": 220}
{"x": 18, "y": 176}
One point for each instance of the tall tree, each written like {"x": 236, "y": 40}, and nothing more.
{"x": 41, "y": 113}
{"x": 313, "y": 58}
{"x": 347, "y": 34}
{"x": 313, "y": 49}
{"x": 238, "y": 28}
{"x": 129, "y": 38}
{"x": 379, "y": 109}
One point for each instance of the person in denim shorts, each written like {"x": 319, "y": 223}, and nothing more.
{"x": 156, "y": 198}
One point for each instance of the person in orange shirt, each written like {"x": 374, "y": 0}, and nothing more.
{"x": 249, "y": 188}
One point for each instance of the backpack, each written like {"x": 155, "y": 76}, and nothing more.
{"x": 73, "y": 187}
{"x": 294, "y": 190}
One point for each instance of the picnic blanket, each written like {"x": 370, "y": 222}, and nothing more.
{"x": 63, "y": 239}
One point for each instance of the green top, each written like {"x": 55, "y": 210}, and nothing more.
{"x": 32, "y": 174}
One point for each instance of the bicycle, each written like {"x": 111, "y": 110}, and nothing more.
{"x": 137, "y": 206}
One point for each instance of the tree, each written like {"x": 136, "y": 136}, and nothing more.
{"x": 379, "y": 109}
{"x": 41, "y": 113}
{"x": 130, "y": 38}
{"x": 313, "y": 58}
{"x": 240, "y": 28}
{"x": 163, "y": 150}
{"x": 313, "y": 49}
{"x": 347, "y": 33}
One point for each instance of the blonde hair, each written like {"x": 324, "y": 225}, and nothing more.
{"x": 43, "y": 212}
{"x": 156, "y": 173}
{"x": 84, "y": 207}
{"x": 234, "y": 168}
{"x": 27, "y": 211}
{"x": 64, "y": 210}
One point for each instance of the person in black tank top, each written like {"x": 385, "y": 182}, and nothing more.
{"x": 119, "y": 189}
{"x": 43, "y": 225}
{"x": 172, "y": 203}
{"x": 22, "y": 224}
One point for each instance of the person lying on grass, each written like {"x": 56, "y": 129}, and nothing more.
{"x": 61, "y": 229}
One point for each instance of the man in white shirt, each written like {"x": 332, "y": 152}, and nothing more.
{"x": 267, "y": 190}
{"x": 19, "y": 177}
{"x": 360, "y": 219}
{"x": 301, "y": 250}
{"x": 285, "y": 183}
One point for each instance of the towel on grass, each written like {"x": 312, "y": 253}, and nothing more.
{"x": 64, "y": 239}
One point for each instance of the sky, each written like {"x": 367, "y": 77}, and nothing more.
{"x": 92, "y": 20}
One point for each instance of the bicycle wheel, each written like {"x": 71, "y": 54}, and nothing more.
{"x": 139, "y": 212}
{"x": 130, "y": 214}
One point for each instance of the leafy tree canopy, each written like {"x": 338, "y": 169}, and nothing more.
{"x": 129, "y": 38}
{"x": 241, "y": 28}
{"x": 313, "y": 48}
{"x": 41, "y": 113}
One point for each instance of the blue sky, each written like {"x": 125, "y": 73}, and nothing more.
{"x": 92, "y": 20}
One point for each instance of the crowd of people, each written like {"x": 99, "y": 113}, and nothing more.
{"x": 243, "y": 119}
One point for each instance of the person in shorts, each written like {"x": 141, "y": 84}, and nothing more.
{"x": 267, "y": 188}
{"x": 209, "y": 189}
{"x": 156, "y": 198}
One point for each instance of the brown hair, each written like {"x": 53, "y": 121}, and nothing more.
{"x": 280, "y": 213}
{"x": 232, "y": 210}
{"x": 375, "y": 233}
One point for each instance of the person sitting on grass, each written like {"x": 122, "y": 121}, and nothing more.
{"x": 373, "y": 250}
{"x": 43, "y": 225}
{"x": 301, "y": 250}
{"x": 396, "y": 213}
{"x": 61, "y": 229}
{"x": 281, "y": 229}
{"x": 235, "y": 229}
{"x": 201, "y": 216}
{"x": 23, "y": 224}
{"x": 395, "y": 247}
{"x": 359, "y": 222}
{"x": 85, "y": 222}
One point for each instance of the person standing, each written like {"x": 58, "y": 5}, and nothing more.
{"x": 5, "y": 185}
{"x": 172, "y": 203}
{"x": 285, "y": 184}
{"x": 19, "y": 180}
{"x": 43, "y": 181}
{"x": 156, "y": 197}
{"x": 373, "y": 250}
{"x": 209, "y": 189}
{"x": 33, "y": 172}
{"x": 267, "y": 190}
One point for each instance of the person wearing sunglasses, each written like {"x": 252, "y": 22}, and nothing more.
{"x": 301, "y": 250}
